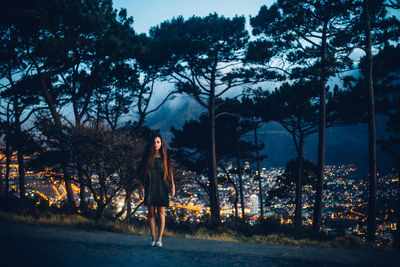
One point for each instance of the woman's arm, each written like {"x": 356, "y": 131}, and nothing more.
{"x": 172, "y": 191}
{"x": 171, "y": 174}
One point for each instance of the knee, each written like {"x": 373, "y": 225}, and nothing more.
{"x": 160, "y": 213}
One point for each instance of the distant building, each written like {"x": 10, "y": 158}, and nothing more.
{"x": 254, "y": 204}
{"x": 229, "y": 166}
{"x": 246, "y": 165}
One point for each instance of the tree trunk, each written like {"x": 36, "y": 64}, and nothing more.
{"x": 134, "y": 211}
{"x": 297, "y": 215}
{"x": 239, "y": 164}
{"x": 57, "y": 121}
{"x": 1, "y": 180}
{"x": 396, "y": 243}
{"x": 126, "y": 206}
{"x": 68, "y": 187}
{"x": 235, "y": 202}
{"x": 371, "y": 221}
{"x": 21, "y": 172}
{"x": 214, "y": 200}
{"x": 99, "y": 211}
{"x": 321, "y": 137}
{"x": 259, "y": 172}
{"x": 321, "y": 160}
{"x": 82, "y": 187}
{"x": 128, "y": 203}
{"x": 7, "y": 177}
{"x": 20, "y": 154}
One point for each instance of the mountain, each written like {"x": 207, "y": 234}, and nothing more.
{"x": 174, "y": 113}
{"x": 344, "y": 145}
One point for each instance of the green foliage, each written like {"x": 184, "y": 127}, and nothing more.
{"x": 212, "y": 36}
{"x": 78, "y": 58}
{"x": 309, "y": 35}
{"x": 294, "y": 106}
{"x": 285, "y": 183}
{"x": 385, "y": 79}
{"x": 199, "y": 51}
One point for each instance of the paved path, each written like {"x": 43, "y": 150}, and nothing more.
{"x": 24, "y": 245}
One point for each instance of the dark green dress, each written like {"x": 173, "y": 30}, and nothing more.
{"x": 156, "y": 188}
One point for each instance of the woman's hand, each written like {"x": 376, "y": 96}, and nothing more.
{"x": 141, "y": 192}
{"x": 172, "y": 190}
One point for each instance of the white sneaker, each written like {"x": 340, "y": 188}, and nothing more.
{"x": 152, "y": 243}
{"x": 158, "y": 244}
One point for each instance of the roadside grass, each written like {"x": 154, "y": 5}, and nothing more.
{"x": 263, "y": 232}
{"x": 72, "y": 221}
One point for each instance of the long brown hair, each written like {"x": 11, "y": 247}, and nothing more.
{"x": 148, "y": 159}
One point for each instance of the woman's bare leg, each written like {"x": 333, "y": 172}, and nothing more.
{"x": 161, "y": 222}
{"x": 152, "y": 222}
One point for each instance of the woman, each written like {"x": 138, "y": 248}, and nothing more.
{"x": 156, "y": 180}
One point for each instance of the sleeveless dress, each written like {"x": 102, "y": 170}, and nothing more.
{"x": 156, "y": 188}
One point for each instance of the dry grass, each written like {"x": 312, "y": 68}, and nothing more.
{"x": 78, "y": 221}
{"x": 53, "y": 220}
{"x": 281, "y": 239}
{"x": 203, "y": 233}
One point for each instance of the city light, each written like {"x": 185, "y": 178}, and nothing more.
{"x": 345, "y": 198}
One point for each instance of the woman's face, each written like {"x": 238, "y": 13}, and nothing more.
{"x": 157, "y": 143}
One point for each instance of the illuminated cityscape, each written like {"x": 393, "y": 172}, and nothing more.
{"x": 345, "y": 198}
